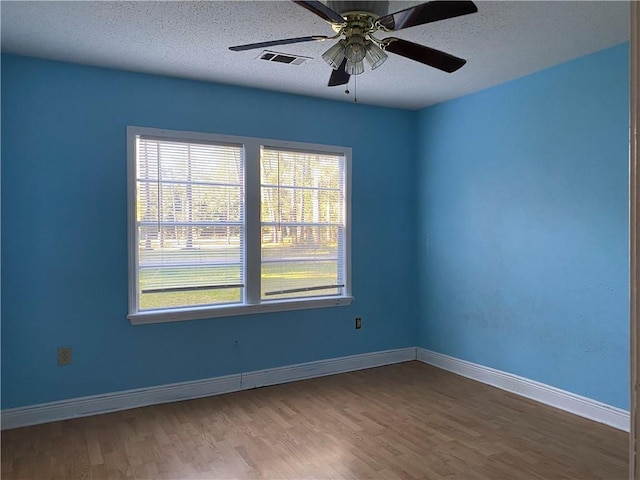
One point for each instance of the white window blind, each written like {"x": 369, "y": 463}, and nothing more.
{"x": 189, "y": 223}
{"x": 302, "y": 224}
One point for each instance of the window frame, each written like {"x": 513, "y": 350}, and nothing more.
{"x": 252, "y": 241}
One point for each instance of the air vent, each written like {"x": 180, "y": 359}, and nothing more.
{"x": 282, "y": 58}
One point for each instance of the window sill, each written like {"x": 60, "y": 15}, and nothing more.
{"x": 180, "y": 314}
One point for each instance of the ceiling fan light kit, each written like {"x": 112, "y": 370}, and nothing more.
{"x": 335, "y": 55}
{"x": 355, "y": 50}
{"x": 358, "y": 21}
{"x": 375, "y": 55}
{"x": 354, "y": 68}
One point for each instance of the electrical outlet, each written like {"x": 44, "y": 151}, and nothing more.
{"x": 64, "y": 356}
{"x": 358, "y": 323}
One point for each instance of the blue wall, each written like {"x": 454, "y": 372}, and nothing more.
{"x": 523, "y": 227}
{"x": 513, "y": 200}
{"x": 64, "y": 241}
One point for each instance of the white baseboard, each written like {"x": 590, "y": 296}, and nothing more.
{"x": 111, "y": 402}
{"x": 555, "y": 397}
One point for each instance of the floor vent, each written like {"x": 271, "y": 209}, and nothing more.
{"x": 282, "y": 58}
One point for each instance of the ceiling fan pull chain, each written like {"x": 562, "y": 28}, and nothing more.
{"x": 355, "y": 89}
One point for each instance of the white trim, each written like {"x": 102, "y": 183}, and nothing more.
{"x": 196, "y": 313}
{"x": 251, "y": 303}
{"x": 252, "y": 240}
{"x": 110, "y": 402}
{"x": 540, "y": 392}
{"x": 348, "y": 291}
{"x": 131, "y": 220}
{"x": 303, "y": 371}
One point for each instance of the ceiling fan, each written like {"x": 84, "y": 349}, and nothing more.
{"x": 358, "y": 21}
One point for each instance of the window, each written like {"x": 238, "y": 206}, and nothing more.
{"x": 222, "y": 225}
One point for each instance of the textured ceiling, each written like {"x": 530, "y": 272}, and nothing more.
{"x": 503, "y": 41}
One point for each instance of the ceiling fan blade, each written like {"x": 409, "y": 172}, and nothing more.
{"x": 285, "y": 41}
{"x": 426, "y": 13}
{"x": 339, "y": 76}
{"x": 322, "y": 11}
{"x": 420, "y": 53}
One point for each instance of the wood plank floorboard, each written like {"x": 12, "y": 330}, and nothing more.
{"x": 406, "y": 421}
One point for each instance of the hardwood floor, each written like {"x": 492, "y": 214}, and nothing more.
{"x": 409, "y": 421}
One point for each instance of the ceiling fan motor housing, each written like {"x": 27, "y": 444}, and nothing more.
{"x": 377, "y": 8}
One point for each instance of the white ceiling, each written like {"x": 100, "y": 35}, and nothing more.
{"x": 190, "y": 39}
